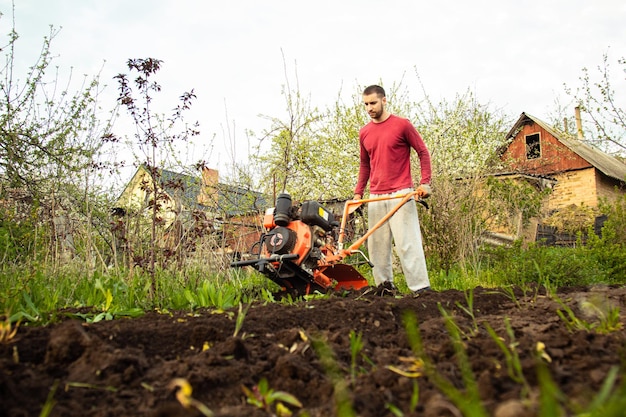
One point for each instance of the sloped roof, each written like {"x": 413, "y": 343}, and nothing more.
{"x": 189, "y": 186}
{"x": 232, "y": 200}
{"x": 236, "y": 201}
{"x": 603, "y": 162}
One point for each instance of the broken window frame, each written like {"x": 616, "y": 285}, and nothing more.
{"x": 533, "y": 146}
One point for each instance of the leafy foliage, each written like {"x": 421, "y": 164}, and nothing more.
{"x": 266, "y": 398}
{"x": 508, "y": 198}
{"x": 46, "y": 131}
{"x": 463, "y": 135}
{"x": 553, "y": 266}
{"x": 608, "y": 248}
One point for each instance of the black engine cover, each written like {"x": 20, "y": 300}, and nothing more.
{"x": 313, "y": 213}
{"x": 280, "y": 240}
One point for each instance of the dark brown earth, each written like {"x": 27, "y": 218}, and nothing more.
{"x": 123, "y": 367}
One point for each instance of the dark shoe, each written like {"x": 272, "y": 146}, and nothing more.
{"x": 386, "y": 288}
{"x": 421, "y": 291}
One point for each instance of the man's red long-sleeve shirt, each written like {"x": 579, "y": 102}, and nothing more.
{"x": 385, "y": 156}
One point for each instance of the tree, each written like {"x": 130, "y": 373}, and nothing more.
{"x": 292, "y": 162}
{"x": 463, "y": 136}
{"x": 46, "y": 132}
{"x": 602, "y": 101}
{"x": 50, "y": 137}
{"x": 153, "y": 134}
{"x": 339, "y": 138}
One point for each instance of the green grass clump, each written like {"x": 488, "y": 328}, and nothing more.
{"x": 40, "y": 295}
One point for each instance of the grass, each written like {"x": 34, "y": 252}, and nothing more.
{"x": 266, "y": 398}
{"x": 183, "y": 395}
{"x": 8, "y": 328}
{"x": 341, "y": 388}
{"x": 40, "y": 296}
{"x": 35, "y": 292}
{"x": 511, "y": 355}
{"x": 603, "y": 317}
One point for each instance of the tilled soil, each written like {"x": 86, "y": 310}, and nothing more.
{"x": 309, "y": 349}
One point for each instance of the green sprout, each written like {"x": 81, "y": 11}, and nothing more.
{"x": 264, "y": 397}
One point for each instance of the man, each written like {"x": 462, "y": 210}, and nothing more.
{"x": 385, "y": 148}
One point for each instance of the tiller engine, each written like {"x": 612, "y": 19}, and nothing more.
{"x": 302, "y": 247}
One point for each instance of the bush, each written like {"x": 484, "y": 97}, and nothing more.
{"x": 19, "y": 240}
{"x": 609, "y": 249}
{"x": 554, "y": 266}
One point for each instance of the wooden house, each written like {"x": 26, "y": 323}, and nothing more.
{"x": 192, "y": 206}
{"x": 579, "y": 175}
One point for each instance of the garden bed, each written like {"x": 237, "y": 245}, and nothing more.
{"x": 311, "y": 350}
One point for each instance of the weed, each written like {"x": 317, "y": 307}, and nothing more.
{"x": 70, "y": 384}
{"x": 415, "y": 396}
{"x": 34, "y": 313}
{"x": 395, "y": 411}
{"x": 288, "y": 299}
{"x": 264, "y": 397}
{"x": 106, "y": 305}
{"x": 8, "y": 330}
{"x": 469, "y": 310}
{"x": 210, "y": 295}
{"x": 241, "y": 316}
{"x": 550, "y": 397}
{"x": 183, "y": 395}
{"x": 541, "y": 351}
{"x": 572, "y": 322}
{"x": 610, "y": 400}
{"x": 601, "y": 309}
{"x": 343, "y": 403}
{"x": 547, "y": 283}
{"x": 596, "y": 307}
{"x": 267, "y": 296}
{"x": 509, "y": 292}
{"x": 467, "y": 400}
{"x": 50, "y": 403}
{"x": 511, "y": 357}
{"x": 356, "y": 346}
{"x": 413, "y": 369}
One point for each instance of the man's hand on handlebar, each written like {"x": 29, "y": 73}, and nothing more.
{"x": 424, "y": 191}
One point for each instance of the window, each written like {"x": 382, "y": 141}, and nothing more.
{"x": 533, "y": 146}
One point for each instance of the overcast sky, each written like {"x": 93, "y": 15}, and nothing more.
{"x": 515, "y": 55}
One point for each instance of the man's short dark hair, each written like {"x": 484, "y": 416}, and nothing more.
{"x": 374, "y": 89}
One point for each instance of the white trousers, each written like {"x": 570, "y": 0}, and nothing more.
{"x": 403, "y": 230}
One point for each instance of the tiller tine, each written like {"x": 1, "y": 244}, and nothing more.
{"x": 345, "y": 276}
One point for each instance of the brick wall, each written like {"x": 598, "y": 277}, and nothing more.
{"x": 574, "y": 187}
{"x": 208, "y": 192}
{"x": 609, "y": 188}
